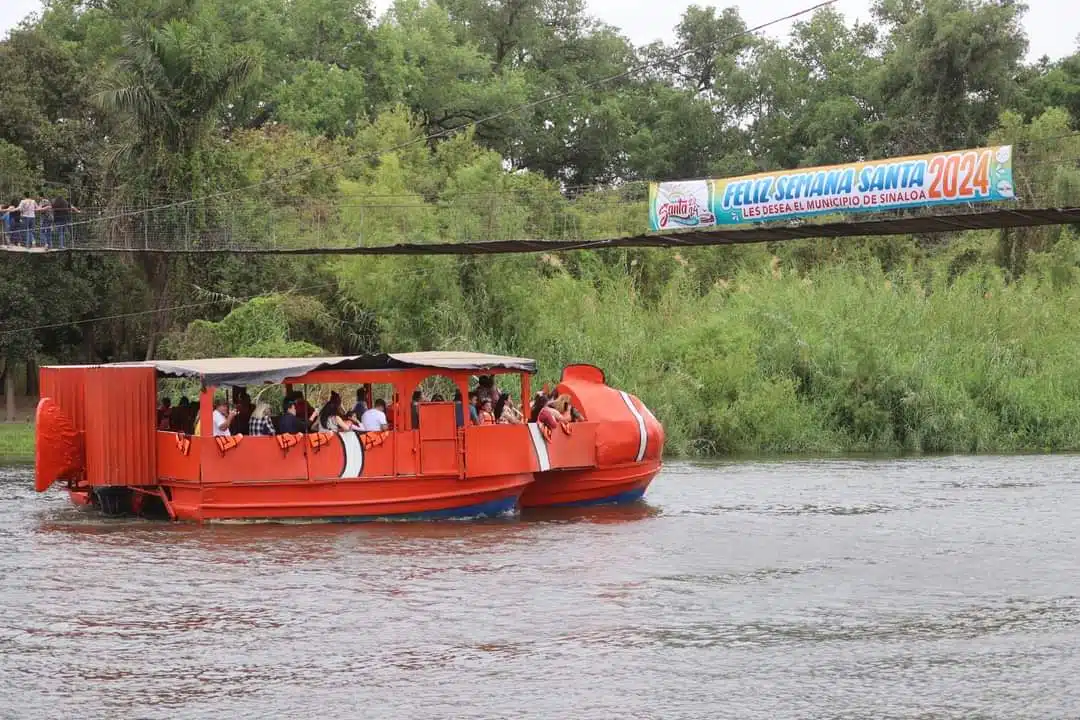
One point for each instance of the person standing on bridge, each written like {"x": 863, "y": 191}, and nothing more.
{"x": 9, "y": 214}
{"x": 28, "y": 213}
{"x": 61, "y": 210}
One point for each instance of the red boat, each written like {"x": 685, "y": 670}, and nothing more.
{"x": 97, "y": 432}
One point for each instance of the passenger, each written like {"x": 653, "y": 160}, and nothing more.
{"x": 374, "y": 419}
{"x": 563, "y": 407}
{"x": 307, "y": 414}
{"x": 539, "y": 403}
{"x": 417, "y": 398}
{"x": 330, "y": 412}
{"x": 361, "y": 400}
{"x": 510, "y": 414}
{"x": 487, "y": 415}
{"x": 459, "y": 409}
{"x": 223, "y": 416}
{"x": 260, "y": 422}
{"x": 181, "y": 419}
{"x": 548, "y": 416}
{"x": 243, "y": 413}
{"x": 474, "y": 412}
{"x": 164, "y": 414}
{"x": 486, "y": 389}
{"x": 290, "y": 423}
{"x": 342, "y": 422}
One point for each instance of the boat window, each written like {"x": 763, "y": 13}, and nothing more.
{"x": 433, "y": 389}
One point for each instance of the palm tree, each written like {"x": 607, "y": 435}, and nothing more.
{"x": 166, "y": 93}
{"x": 167, "y": 89}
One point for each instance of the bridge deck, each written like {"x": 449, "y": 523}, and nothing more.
{"x": 920, "y": 225}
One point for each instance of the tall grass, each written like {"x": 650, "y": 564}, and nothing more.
{"x": 16, "y": 442}
{"x": 841, "y": 358}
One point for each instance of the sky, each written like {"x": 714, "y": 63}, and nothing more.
{"x": 646, "y": 20}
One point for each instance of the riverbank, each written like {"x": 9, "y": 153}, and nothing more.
{"x": 16, "y": 441}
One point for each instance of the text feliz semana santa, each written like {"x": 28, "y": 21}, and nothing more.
{"x": 843, "y": 186}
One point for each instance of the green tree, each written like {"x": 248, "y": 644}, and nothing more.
{"x": 948, "y": 70}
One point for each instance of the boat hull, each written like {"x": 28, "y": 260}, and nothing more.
{"x": 594, "y": 486}
{"x": 345, "y": 500}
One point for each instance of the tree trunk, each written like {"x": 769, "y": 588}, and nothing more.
{"x": 156, "y": 269}
{"x": 9, "y": 392}
{"x": 31, "y": 376}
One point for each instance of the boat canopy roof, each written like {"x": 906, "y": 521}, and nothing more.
{"x": 256, "y": 371}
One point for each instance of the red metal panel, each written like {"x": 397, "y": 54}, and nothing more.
{"x": 438, "y": 439}
{"x": 65, "y": 385}
{"x": 406, "y": 452}
{"x": 255, "y": 459}
{"x": 121, "y": 439}
{"x": 576, "y": 450}
{"x": 498, "y": 450}
{"x": 174, "y": 464}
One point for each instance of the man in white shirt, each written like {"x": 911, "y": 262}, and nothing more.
{"x": 374, "y": 419}
{"x": 27, "y": 211}
{"x": 223, "y": 416}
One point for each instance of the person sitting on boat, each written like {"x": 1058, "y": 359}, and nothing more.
{"x": 223, "y": 416}
{"x": 307, "y": 414}
{"x": 417, "y": 398}
{"x": 374, "y": 419}
{"x": 260, "y": 422}
{"x": 163, "y": 413}
{"x": 548, "y": 416}
{"x": 459, "y": 409}
{"x": 329, "y": 409}
{"x": 344, "y": 422}
{"x": 486, "y": 390}
{"x": 474, "y": 411}
{"x": 361, "y": 400}
{"x": 566, "y": 409}
{"x": 332, "y": 417}
{"x": 181, "y": 418}
{"x": 290, "y": 423}
{"x": 487, "y": 413}
{"x": 510, "y": 415}
{"x": 540, "y": 401}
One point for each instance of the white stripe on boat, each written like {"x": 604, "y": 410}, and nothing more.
{"x": 354, "y": 455}
{"x": 540, "y": 445}
{"x": 643, "y": 436}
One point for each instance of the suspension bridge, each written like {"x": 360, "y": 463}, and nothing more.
{"x": 1046, "y": 175}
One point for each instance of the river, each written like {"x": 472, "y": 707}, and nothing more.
{"x": 929, "y": 588}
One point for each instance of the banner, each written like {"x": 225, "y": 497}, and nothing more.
{"x": 947, "y": 178}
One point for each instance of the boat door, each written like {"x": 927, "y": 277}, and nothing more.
{"x": 439, "y": 451}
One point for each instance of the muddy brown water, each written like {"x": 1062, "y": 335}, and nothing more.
{"x": 931, "y": 588}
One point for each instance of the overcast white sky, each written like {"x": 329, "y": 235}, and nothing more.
{"x": 1052, "y": 25}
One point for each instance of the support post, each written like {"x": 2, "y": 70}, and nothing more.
{"x": 206, "y": 412}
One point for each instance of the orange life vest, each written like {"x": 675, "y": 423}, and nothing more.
{"x": 287, "y": 441}
{"x": 183, "y": 443}
{"x": 226, "y": 443}
{"x": 319, "y": 440}
{"x": 373, "y": 439}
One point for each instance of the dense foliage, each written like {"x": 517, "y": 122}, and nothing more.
{"x": 965, "y": 344}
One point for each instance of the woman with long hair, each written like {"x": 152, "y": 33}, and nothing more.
{"x": 260, "y": 422}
